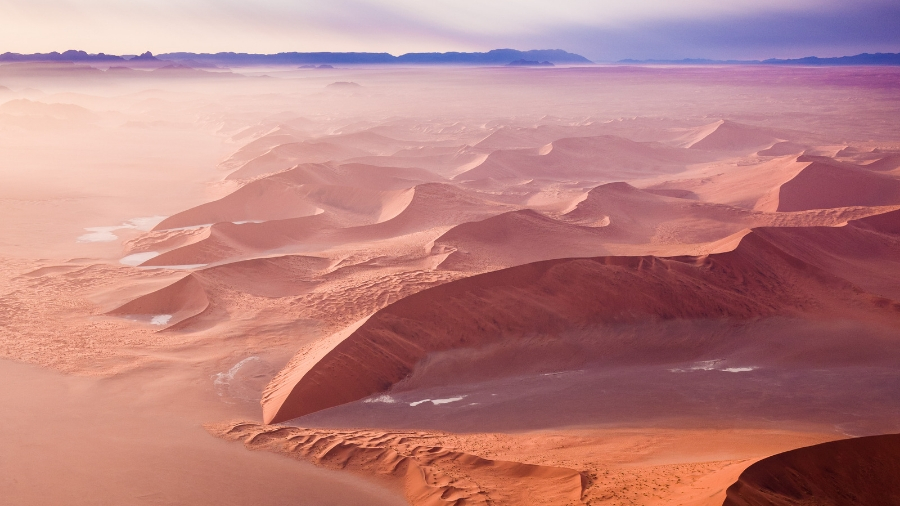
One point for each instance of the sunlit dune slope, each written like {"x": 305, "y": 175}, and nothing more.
{"x": 728, "y": 135}
{"x": 399, "y": 213}
{"x": 303, "y": 191}
{"x": 756, "y": 280}
{"x": 826, "y": 183}
{"x": 600, "y": 158}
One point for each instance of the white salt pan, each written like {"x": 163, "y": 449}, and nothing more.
{"x": 160, "y": 319}
{"x": 438, "y": 401}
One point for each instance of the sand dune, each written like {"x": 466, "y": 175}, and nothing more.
{"x": 424, "y": 208}
{"x": 601, "y": 158}
{"x": 826, "y": 183}
{"x": 728, "y": 135}
{"x": 170, "y": 305}
{"x": 285, "y": 156}
{"x": 228, "y": 240}
{"x": 307, "y": 190}
{"x": 549, "y": 298}
{"x": 428, "y": 475}
{"x": 851, "y": 472}
{"x": 887, "y": 163}
{"x": 280, "y": 276}
{"x": 749, "y": 186}
{"x": 516, "y": 238}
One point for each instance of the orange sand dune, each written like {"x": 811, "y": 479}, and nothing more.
{"x": 614, "y": 218}
{"x": 754, "y": 281}
{"x": 851, "y": 472}
{"x": 290, "y": 195}
{"x": 428, "y": 475}
{"x": 885, "y": 164}
{"x": 424, "y": 208}
{"x": 515, "y": 238}
{"x": 228, "y": 240}
{"x": 782, "y": 149}
{"x": 260, "y": 146}
{"x": 736, "y": 182}
{"x": 601, "y": 158}
{"x": 268, "y": 277}
{"x": 285, "y": 156}
{"x": 826, "y": 183}
{"x": 728, "y": 135}
{"x": 176, "y": 302}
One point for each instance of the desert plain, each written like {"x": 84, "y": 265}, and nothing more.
{"x": 604, "y": 285}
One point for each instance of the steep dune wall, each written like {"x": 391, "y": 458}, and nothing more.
{"x": 826, "y": 184}
{"x": 852, "y": 472}
{"x": 179, "y": 301}
{"x": 549, "y": 298}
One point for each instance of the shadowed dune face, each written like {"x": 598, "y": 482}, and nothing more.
{"x": 859, "y": 471}
{"x": 824, "y": 185}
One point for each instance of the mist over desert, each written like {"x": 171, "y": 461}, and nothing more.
{"x": 448, "y": 284}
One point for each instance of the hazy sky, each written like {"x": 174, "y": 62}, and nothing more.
{"x": 602, "y": 30}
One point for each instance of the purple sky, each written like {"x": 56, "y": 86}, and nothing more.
{"x": 603, "y": 30}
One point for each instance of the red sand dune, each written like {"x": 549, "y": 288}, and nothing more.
{"x": 180, "y": 300}
{"x": 515, "y": 238}
{"x": 865, "y": 252}
{"x": 227, "y": 240}
{"x": 827, "y": 184}
{"x": 861, "y": 471}
{"x": 280, "y": 276}
{"x": 727, "y": 135}
{"x": 427, "y": 206}
{"x": 887, "y": 163}
{"x": 307, "y": 190}
{"x": 583, "y": 158}
{"x": 756, "y": 280}
{"x": 428, "y": 475}
{"x": 443, "y": 161}
{"x": 782, "y": 149}
{"x": 285, "y": 156}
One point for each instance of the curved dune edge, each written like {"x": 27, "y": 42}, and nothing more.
{"x": 179, "y": 301}
{"x": 826, "y": 184}
{"x": 428, "y": 474}
{"x": 756, "y": 280}
{"x": 851, "y": 472}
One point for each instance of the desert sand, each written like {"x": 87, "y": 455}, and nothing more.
{"x": 555, "y": 286}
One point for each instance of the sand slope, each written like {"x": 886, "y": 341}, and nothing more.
{"x": 588, "y": 158}
{"x": 852, "y": 472}
{"x": 826, "y": 183}
{"x": 428, "y": 475}
{"x": 728, "y": 135}
{"x": 756, "y": 280}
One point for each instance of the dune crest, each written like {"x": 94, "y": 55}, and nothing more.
{"x": 429, "y": 475}
{"x": 756, "y": 280}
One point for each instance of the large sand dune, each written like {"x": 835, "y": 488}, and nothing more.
{"x": 860, "y": 471}
{"x": 825, "y": 183}
{"x": 756, "y": 280}
{"x": 583, "y": 158}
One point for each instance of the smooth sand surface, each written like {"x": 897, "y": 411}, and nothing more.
{"x": 139, "y": 440}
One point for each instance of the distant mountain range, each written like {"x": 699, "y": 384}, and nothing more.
{"x": 859, "y": 59}
{"x": 511, "y": 57}
{"x": 494, "y": 57}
